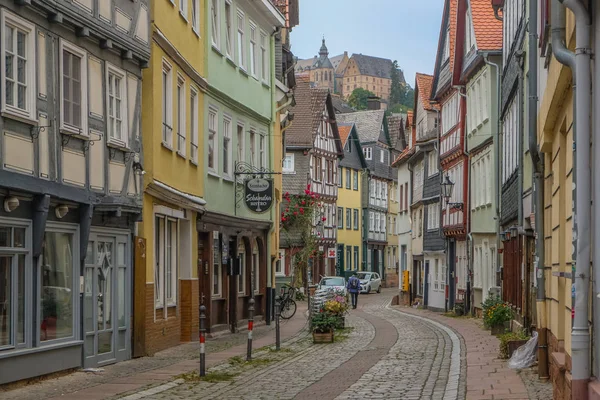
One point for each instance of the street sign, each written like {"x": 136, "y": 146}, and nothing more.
{"x": 258, "y": 194}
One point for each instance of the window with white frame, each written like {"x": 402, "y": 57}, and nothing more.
{"x": 217, "y": 277}
{"x": 167, "y": 103}
{"x": 340, "y": 177}
{"x": 433, "y": 216}
{"x": 18, "y": 66}
{"x": 512, "y": 12}
{"x": 183, "y": 6}
{"x": 348, "y": 218}
{"x": 228, "y": 29}
{"x": 241, "y": 253}
{"x": 348, "y": 178}
{"x": 241, "y": 39}
{"x": 212, "y": 140}
{"x": 265, "y": 61}
{"x": 279, "y": 266}
{"x": 355, "y": 218}
{"x": 355, "y": 181}
{"x": 288, "y": 163}
{"x": 432, "y": 163}
{"x": 253, "y": 55}
{"x": 371, "y": 221}
{"x": 382, "y": 156}
{"x": 181, "y": 115}
{"x": 215, "y": 26}
{"x": 194, "y": 124}
{"x": 436, "y": 275}
{"x": 340, "y": 218}
{"x": 227, "y": 159}
{"x": 73, "y": 88}
{"x": 165, "y": 262}
{"x": 490, "y": 179}
{"x": 510, "y": 142}
{"x": 196, "y": 16}
{"x": 368, "y": 151}
{"x": 116, "y": 105}
{"x": 262, "y": 150}
{"x": 377, "y": 224}
{"x": 447, "y": 45}
{"x": 450, "y": 113}
{"x": 469, "y": 32}
{"x": 253, "y": 147}
{"x": 241, "y": 142}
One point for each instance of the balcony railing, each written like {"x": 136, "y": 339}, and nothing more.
{"x": 180, "y": 143}
{"x": 167, "y": 135}
{"x": 194, "y": 152}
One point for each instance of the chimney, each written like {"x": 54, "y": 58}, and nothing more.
{"x": 373, "y": 103}
{"x": 346, "y": 54}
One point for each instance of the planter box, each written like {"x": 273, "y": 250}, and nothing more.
{"x": 326, "y": 337}
{"x": 341, "y": 323}
{"x": 513, "y": 345}
{"x": 498, "y": 330}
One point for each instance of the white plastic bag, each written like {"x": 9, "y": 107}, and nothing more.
{"x": 525, "y": 356}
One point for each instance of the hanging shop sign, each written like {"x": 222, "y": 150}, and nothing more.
{"x": 258, "y": 194}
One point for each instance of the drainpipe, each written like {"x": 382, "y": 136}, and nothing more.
{"x": 538, "y": 174}
{"x": 596, "y": 216}
{"x": 581, "y": 217}
{"x": 497, "y": 146}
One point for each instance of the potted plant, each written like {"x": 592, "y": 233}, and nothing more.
{"x": 511, "y": 341}
{"x": 495, "y": 314}
{"x": 323, "y": 324}
{"x": 338, "y": 307}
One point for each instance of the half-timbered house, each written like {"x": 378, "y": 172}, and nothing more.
{"x": 313, "y": 151}
{"x": 70, "y": 176}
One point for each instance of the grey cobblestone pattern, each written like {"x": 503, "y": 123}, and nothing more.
{"x": 81, "y": 380}
{"x": 420, "y": 362}
{"x": 284, "y": 379}
{"x": 414, "y": 358}
{"x": 536, "y": 389}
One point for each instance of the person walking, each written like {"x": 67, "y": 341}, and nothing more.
{"x": 354, "y": 287}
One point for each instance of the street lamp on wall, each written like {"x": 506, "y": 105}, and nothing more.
{"x": 447, "y": 188}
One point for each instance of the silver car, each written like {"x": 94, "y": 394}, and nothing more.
{"x": 369, "y": 281}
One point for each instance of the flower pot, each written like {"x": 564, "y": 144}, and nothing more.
{"x": 513, "y": 345}
{"x": 341, "y": 323}
{"x": 498, "y": 329}
{"x": 323, "y": 337}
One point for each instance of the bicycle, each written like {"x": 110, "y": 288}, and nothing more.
{"x": 287, "y": 304}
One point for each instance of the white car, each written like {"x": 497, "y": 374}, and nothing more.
{"x": 333, "y": 283}
{"x": 369, "y": 281}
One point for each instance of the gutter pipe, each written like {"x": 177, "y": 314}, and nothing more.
{"x": 537, "y": 161}
{"x": 582, "y": 200}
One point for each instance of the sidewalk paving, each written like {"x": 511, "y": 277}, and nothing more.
{"x": 488, "y": 377}
{"x": 135, "y": 374}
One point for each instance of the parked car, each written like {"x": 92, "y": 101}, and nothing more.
{"x": 369, "y": 281}
{"x": 333, "y": 283}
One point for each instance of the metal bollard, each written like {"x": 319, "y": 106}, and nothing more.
{"x": 202, "y": 340}
{"x": 277, "y": 315}
{"x": 250, "y": 326}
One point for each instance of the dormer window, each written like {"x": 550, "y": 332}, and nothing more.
{"x": 447, "y": 45}
{"x": 368, "y": 152}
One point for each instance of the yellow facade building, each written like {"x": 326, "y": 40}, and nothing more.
{"x": 166, "y": 305}
{"x": 555, "y": 139}
{"x": 349, "y": 209}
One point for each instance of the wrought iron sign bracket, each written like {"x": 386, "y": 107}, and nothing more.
{"x": 245, "y": 170}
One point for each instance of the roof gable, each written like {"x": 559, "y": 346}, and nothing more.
{"x": 446, "y": 54}
{"x": 423, "y": 85}
{"x": 368, "y": 124}
{"x": 353, "y": 155}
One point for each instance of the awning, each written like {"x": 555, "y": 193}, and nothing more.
{"x": 169, "y": 194}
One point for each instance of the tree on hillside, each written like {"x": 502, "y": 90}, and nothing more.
{"x": 358, "y": 98}
{"x": 400, "y": 93}
{"x": 396, "y": 91}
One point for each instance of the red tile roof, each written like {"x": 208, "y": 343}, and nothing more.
{"x": 488, "y": 30}
{"x": 424, "y": 85}
{"x": 452, "y": 22}
{"x": 409, "y": 118}
{"x": 344, "y": 132}
{"x": 310, "y": 104}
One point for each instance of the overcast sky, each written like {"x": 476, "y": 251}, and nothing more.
{"x": 403, "y": 30}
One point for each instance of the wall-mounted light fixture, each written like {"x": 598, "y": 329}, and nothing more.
{"x": 11, "y": 204}
{"x": 447, "y": 187}
{"x": 61, "y": 210}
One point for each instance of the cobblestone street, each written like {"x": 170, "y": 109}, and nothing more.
{"x": 385, "y": 352}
